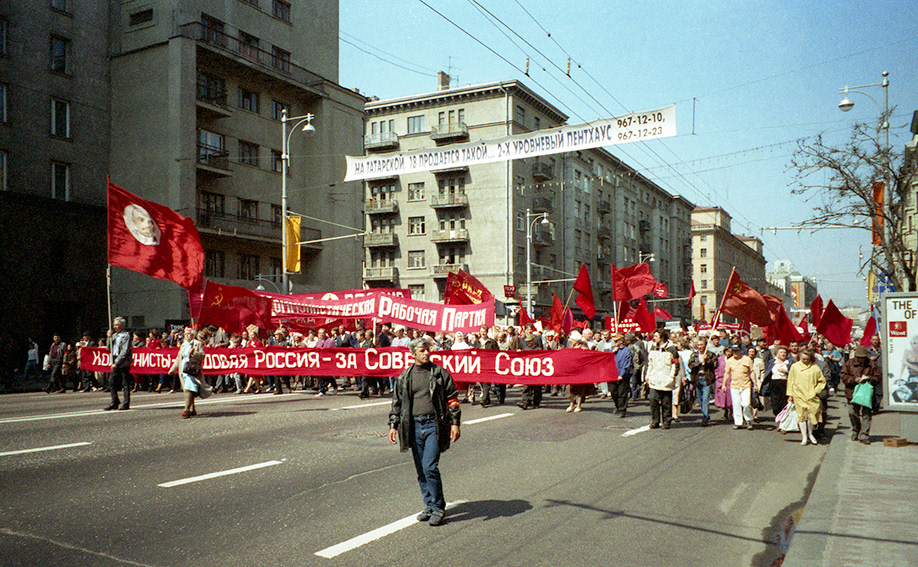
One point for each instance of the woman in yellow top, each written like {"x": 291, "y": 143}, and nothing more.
{"x": 804, "y": 382}
{"x": 739, "y": 373}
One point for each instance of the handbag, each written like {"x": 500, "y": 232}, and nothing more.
{"x": 863, "y": 394}
{"x": 788, "y": 421}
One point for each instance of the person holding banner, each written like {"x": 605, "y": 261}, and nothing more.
{"x": 425, "y": 418}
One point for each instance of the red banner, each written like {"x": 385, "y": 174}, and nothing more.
{"x": 566, "y": 366}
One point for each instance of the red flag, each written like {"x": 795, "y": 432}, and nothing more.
{"x": 234, "y": 308}
{"x": 784, "y": 330}
{"x": 632, "y": 283}
{"x": 557, "y": 314}
{"x": 745, "y": 303}
{"x": 805, "y": 329}
{"x": 585, "y": 299}
{"x": 567, "y": 322}
{"x": 834, "y": 326}
{"x": 154, "y": 240}
{"x": 816, "y": 310}
{"x": 464, "y": 289}
{"x": 691, "y": 294}
{"x": 661, "y": 314}
{"x": 644, "y": 318}
{"x": 869, "y": 330}
{"x": 525, "y": 319}
{"x": 660, "y": 290}
{"x": 774, "y": 304}
{"x": 625, "y": 311}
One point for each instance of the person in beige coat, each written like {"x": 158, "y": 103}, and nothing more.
{"x": 804, "y": 382}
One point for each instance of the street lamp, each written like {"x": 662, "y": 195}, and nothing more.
{"x": 648, "y": 257}
{"x": 265, "y": 278}
{"x": 285, "y": 163}
{"x": 541, "y": 218}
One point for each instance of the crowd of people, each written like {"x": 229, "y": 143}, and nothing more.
{"x": 676, "y": 374}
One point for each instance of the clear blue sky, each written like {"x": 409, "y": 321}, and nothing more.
{"x": 761, "y": 74}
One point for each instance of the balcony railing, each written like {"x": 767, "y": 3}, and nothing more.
{"x": 542, "y": 237}
{"x": 450, "y": 131}
{"x": 381, "y": 141}
{"x": 215, "y": 160}
{"x": 442, "y": 270}
{"x": 380, "y": 206}
{"x": 380, "y": 240}
{"x": 543, "y": 171}
{"x": 542, "y": 205}
{"x": 605, "y": 206}
{"x": 455, "y": 235}
{"x": 238, "y": 224}
{"x": 439, "y": 201}
{"x": 388, "y": 274}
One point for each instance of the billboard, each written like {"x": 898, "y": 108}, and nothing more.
{"x": 900, "y": 350}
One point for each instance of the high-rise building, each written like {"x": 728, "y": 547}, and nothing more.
{"x": 600, "y": 211}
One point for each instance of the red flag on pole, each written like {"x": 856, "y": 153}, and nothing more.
{"x": 661, "y": 314}
{"x": 804, "y": 329}
{"x": 834, "y": 326}
{"x": 154, "y": 240}
{"x": 774, "y": 304}
{"x": 691, "y": 294}
{"x": 557, "y": 314}
{"x": 644, "y": 318}
{"x": 567, "y": 322}
{"x": 525, "y": 319}
{"x": 745, "y": 303}
{"x": 660, "y": 290}
{"x": 632, "y": 282}
{"x": 464, "y": 289}
{"x": 784, "y": 330}
{"x": 869, "y": 330}
{"x": 585, "y": 299}
{"x": 234, "y": 308}
{"x": 816, "y": 310}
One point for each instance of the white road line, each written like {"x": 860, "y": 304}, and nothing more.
{"x": 218, "y": 474}
{"x": 631, "y": 432}
{"x": 39, "y": 449}
{"x": 489, "y": 418}
{"x": 359, "y": 406}
{"x": 355, "y": 542}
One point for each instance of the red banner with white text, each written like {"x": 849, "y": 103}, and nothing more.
{"x": 566, "y": 366}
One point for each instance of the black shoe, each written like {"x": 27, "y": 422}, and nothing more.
{"x": 124, "y": 408}
{"x": 436, "y": 517}
{"x": 109, "y": 408}
{"x": 865, "y": 440}
{"x": 665, "y": 426}
{"x": 425, "y": 515}
{"x": 854, "y": 435}
{"x": 654, "y": 425}
{"x": 523, "y": 405}
{"x": 705, "y": 422}
{"x": 485, "y": 404}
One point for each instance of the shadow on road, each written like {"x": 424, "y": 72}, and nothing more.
{"x": 488, "y": 509}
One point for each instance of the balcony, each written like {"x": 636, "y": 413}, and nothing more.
{"x": 213, "y": 161}
{"x": 235, "y": 225}
{"x": 454, "y": 131}
{"x": 388, "y": 274}
{"x": 380, "y": 206}
{"x": 440, "y": 271}
{"x": 542, "y": 236}
{"x": 380, "y": 240}
{"x": 604, "y": 256}
{"x": 449, "y": 200}
{"x": 212, "y": 105}
{"x": 644, "y": 225}
{"x": 605, "y": 206}
{"x": 542, "y": 204}
{"x": 381, "y": 141}
{"x": 455, "y": 235}
{"x": 543, "y": 171}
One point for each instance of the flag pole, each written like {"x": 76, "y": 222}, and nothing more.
{"x": 108, "y": 247}
{"x": 722, "y": 300}
{"x": 108, "y": 286}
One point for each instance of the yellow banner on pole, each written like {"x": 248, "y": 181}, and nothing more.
{"x": 292, "y": 253}
{"x": 871, "y": 286}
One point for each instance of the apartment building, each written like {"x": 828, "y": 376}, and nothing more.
{"x": 425, "y": 225}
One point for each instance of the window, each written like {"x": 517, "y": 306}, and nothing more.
{"x": 3, "y": 36}
{"x": 282, "y": 10}
{"x": 416, "y": 191}
{"x": 381, "y": 225}
{"x": 278, "y": 108}
{"x": 211, "y": 89}
{"x": 519, "y": 115}
{"x": 703, "y": 238}
{"x": 704, "y": 299}
{"x": 381, "y": 192}
{"x": 248, "y": 153}
{"x": 452, "y": 221}
{"x": 59, "y": 5}
{"x": 248, "y": 45}
{"x": 280, "y": 59}
{"x": 381, "y": 258}
{"x": 521, "y": 255}
{"x": 60, "y": 49}
{"x": 415, "y": 225}
{"x": 3, "y": 90}
{"x": 277, "y": 161}
{"x": 520, "y": 220}
{"x": 415, "y": 124}
{"x": 213, "y": 30}
{"x": 451, "y": 185}
{"x": 210, "y": 147}
{"x": 3, "y": 179}
{"x": 704, "y": 284}
{"x": 703, "y": 253}
{"x": 452, "y": 255}
{"x": 520, "y": 183}
{"x": 248, "y": 100}
{"x": 704, "y": 268}
{"x": 416, "y": 259}
{"x": 248, "y": 209}
{"x": 60, "y": 181}
{"x": 276, "y": 214}
{"x": 536, "y": 123}
{"x": 248, "y": 266}
{"x": 60, "y": 118}
{"x": 141, "y": 17}
{"x": 276, "y": 267}
{"x": 214, "y": 264}
{"x": 417, "y": 292}
{"x": 214, "y": 203}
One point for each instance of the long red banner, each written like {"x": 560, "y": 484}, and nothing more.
{"x": 566, "y": 366}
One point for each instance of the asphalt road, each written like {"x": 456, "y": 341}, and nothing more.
{"x": 313, "y": 481}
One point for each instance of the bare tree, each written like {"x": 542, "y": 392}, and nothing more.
{"x": 838, "y": 181}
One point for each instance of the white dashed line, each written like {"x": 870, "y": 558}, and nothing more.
{"x": 218, "y": 474}
{"x": 631, "y": 432}
{"x": 39, "y": 449}
{"x": 489, "y": 418}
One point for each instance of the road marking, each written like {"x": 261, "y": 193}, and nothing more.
{"x": 218, "y": 474}
{"x": 489, "y": 418}
{"x": 38, "y": 449}
{"x": 631, "y": 432}
{"x": 358, "y": 406}
{"x": 389, "y": 529}
{"x": 727, "y": 503}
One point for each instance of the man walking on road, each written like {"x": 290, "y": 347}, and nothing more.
{"x": 119, "y": 345}
{"x": 425, "y": 418}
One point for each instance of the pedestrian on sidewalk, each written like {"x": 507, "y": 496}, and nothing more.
{"x": 859, "y": 368}
{"x": 804, "y": 383}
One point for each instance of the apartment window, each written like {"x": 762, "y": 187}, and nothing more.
{"x": 416, "y": 191}
{"x": 519, "y": 183}
{"x": 452, "y": 222}
{"x": 452, "y": 255}
{"x": 248, "y": 209}
{"x": 519, "y": 115}
{"x": 381, "y": 258}
{"x": 520, "y": 255}
{"x": 214, "y": 203}
{"x": 248, "y": 45}
{"x": 282, "y": 10}
{"x": 60, "y": 50}
{"x": 417, "y": 292}
{"x": 213, "y": 30}
{"x": 276, "y": 214}
{"x": 381, "y": 192}
{"x": 3, "y": 90}
{"x": 60, "y": 118}
{"x": 141, "y": 17}
{"x": 278, "y": 108}
{"x": 215, "y": 264}
{"x": 3, "y": 180}
{"x": 211, "y": 89}
{"x": 586, "y": 213}
{"x": 703, "y": 237}
{"x": 415, "y": 225}
{"x": 280, "y": 58}
{"x": 416, "y": 259}
{"x": 520, "y": 220}
{"x": 59, "y": 5}
{"x": 704, "y": 299}
{"x": 60, "y": 181}
{"x": 381, "y": 225}
{"x": 704, "y": 284}
{"x": 248, "y": 266}
{"x": 704, "y": 268}
{"x": 276, "y": 269}
{"x": 248, "y": 153}
{"x": 210, "y": 147}
{"x": 3, "y": 36}
{"x": 536, "y": 123}
{"x": 248, "y": 100}
{"x": 415, "y": 124}
{"x": 452, "y": 185}
{"x": 277, "y": 161}
{"x": 703, "y": 253}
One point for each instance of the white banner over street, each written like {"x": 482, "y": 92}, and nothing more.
{"x": 635, "y": 127}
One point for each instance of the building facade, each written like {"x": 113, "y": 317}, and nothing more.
{"x": 599, "y": 211}
{"x": 798, "y": 291}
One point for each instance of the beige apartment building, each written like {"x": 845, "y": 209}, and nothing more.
{"x": 425, "y": 225}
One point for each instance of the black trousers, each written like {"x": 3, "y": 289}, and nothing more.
{"x": 532, "y": 396}
{"x": 777, "y": 393}
{"x": 621, "y": 391}
{"x": 661, "y": 406}
{"x": 860, "y": 417}
{"x": 121, "y": 379}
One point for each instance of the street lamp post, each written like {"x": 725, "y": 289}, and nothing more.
{"x": 543, "y": 219}
{"x": 285, "y": 164}
{"x": 649, "y": 257}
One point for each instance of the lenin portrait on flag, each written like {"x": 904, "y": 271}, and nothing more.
{"x": 141, "y": 225}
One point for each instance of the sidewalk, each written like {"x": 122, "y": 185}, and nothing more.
{"x": 863, "y": 509}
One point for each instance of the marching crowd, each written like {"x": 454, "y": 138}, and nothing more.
{"x": 675, "y": 373}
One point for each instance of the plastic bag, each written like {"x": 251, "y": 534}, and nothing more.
{"x": 787, "y": 418}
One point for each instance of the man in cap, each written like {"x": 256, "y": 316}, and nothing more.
{"x": 859, "y": 369}
{"x": 622, "y": 388}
